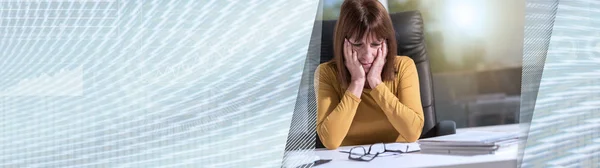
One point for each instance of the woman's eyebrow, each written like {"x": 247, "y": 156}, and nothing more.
{"x": 376, "y": 41}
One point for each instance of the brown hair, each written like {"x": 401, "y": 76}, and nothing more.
{"x": 360, "y": 16}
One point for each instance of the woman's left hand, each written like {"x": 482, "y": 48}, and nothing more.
{"x": 374, "y": 75}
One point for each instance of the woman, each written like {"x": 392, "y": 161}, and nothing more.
{"x": 367, "y": 94}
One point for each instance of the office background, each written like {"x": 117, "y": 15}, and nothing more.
{"x": 478, "y": 72}
{"x": 476, "y": 52}
{"x": 476, "y": 56}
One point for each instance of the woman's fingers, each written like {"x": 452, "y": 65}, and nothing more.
{"x": 382, "y": 52}
{"x": 350, "y": 55}
{"x": 380, "y": 57}
{"x": 354, "y": 57}
{"x": 385, "y": 48}
{"x": 357, "y": 64}
{"x": 345, "y": 48}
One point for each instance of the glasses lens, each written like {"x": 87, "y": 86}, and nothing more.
{"x": 357, "y": 152}
{"x": 368, "y": 157}
{"x": 396, "y": 148}
{"x": 377, "y": 148}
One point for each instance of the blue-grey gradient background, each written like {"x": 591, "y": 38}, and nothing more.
{"x": 565, "y": 123}
{"x": 119, "y": 83}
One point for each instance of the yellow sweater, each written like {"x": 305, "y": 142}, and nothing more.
{"x": 391, "y": 112}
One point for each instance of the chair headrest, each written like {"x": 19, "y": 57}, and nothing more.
{"x": 409, "y": 36}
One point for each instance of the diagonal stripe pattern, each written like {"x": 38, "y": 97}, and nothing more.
{"x": 302, "y": 135}
{"x": 539, "y": 21}
{"x": 564, "y": 130}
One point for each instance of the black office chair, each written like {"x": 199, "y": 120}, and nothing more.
{"x": 411, "y": 42}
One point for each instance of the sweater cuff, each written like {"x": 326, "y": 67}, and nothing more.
{"x": 379, "y": 89}
{"x": 352, "y": 96}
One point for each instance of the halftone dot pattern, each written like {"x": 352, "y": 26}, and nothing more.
{"x": 539, "y": 21}
{"x": 116, "y": 83}
{"x": 302, "y": 136}
{"x": 565, "y": 130}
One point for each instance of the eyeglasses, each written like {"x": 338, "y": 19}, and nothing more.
{"x": 359, "y": 153}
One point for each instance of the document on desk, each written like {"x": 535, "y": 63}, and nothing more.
{"x": 470, "y": 138}
{"x": 389, "y": 147}
{"x": 403, "y": 147}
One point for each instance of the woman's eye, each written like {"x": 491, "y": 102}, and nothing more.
{"x": 375, "y": 45}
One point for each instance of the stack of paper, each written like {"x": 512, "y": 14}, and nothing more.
{"x": 469, "y": 143}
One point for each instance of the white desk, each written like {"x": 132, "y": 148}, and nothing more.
{"x": 505, "y": 159}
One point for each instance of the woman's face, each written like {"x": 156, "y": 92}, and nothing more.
{"x": 366, "y": 49}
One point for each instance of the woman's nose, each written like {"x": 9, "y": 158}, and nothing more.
{"x": 367, "y": 56}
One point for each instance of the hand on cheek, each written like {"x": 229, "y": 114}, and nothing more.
{"x": 374, "y": 74}
{"x": 355, "y": 68}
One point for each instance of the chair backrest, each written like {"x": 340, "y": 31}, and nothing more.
{"x": 410, "y": 38}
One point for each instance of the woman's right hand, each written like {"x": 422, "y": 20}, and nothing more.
{"x": 357, "y": 72}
